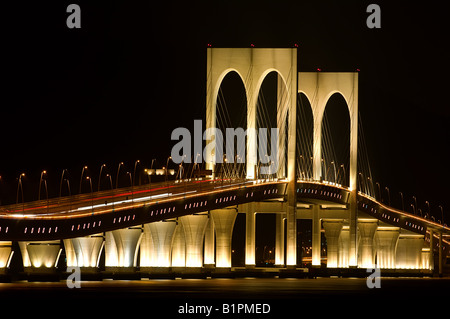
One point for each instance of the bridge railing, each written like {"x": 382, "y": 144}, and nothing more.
{"x": 115, "y": 198}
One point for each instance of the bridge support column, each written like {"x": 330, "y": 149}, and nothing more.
{"x": 84, "y": 251}
{"x": 431, "y": 255}
{"x": 386, "y": 239}
{"x": 316, "y": 235}
{"x": 40, "y": 254}
{"x": 344, "y": 239}
{"x": 224, "y": 222}
{"x": 367, "y": 229}
{"x": 179, "y": 247}
{"x": 194, "y": 231}
{"x": 279, "y": 240}
{"x": 209, "y": 259}
{"x": 121, "y": 247}
{"x": 5, "y": 255}
{"x": 250, "y": 246}
{"x": 156, "y": 244}
{"x": 409, "y": 251}
{"x": 353, "y": 231}
{"x": 333, "y": 230}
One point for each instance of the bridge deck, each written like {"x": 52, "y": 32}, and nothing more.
{"x": 85, "y": 214}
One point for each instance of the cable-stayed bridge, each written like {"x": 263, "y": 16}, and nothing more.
{"x": 188, "y": 223}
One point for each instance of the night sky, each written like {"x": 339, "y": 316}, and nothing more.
{"x": 116, "y": 88}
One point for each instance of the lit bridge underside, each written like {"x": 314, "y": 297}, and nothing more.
{"x": 77, "y": 219}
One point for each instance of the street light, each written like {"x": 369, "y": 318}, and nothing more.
{"x": 403, "y": 204}
{"x": 167, "y": 165}
{"x": 379, "y": 191}
{"x": 92, "y": 193}
{"x": 335, "y": 175}
{"x": 100, "y": 176}
{"x": 150, "y": 175}
{"x": 117, "y": 175}
{"x": 415, "y": 201}
{"x": 61, "y": 181}
{"x": 134, "y": 171}
{"x": 389, "y": 195}
{"x": 81, "y": 178}
{"x": 19, "y": 184}
{"x": 442, "y": 213}
{"x": 44, "y": 172}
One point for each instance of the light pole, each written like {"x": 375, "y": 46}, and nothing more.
{"x": 379, "y": 191}
{"x": 403, "y": 204}
{"x": 81, "y": 178}
{"x": 112, "y": 189}
{"x": 415, "y": 201}
{"x": 150, "y": 173}
{"x": 442, "y": 213}
{"x": 134, "y": 171}
{"x": 343, "y": 176}
{"x": 61, "y": 181}
{"x": 44, "y": 172}
{"x": 117, "y": 175}
{"x": 414, "y": 209}
{"x": 334, "y": 167}
{"x": 92, "y": 193}
{"x": 19, "y": 184}
{"x": 100, "y": 176}
{"x": 389, "y": 195}
{"x": 167, "y": 165}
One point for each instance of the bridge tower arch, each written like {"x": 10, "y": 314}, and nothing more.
{"x": 253, "y": 65}
{"x": 318, "y": 88}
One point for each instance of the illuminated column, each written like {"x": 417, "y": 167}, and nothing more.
{"x": 291, "y": 214}
{"x": 194, "y": 230}
{"x": 282, "y": 108}
{"x": 250, "y": 246}
{"x": 316, "y": 234}
{"x": 279, "y": 239}
{"x": 319, "y": 87}
{"x": 409, "y": 251}
{"x": 209, "y": 242}
{"x": 367, "y": 229}
{"x": 84, "y": 251}
{"x": 121, "y": 247}
{"x": 156, "y": 244}
{"x": 343, "y": 242}
{"x": 223, "y": 222}
{"x": 179, "y": 247}
{"x": 386, "y": 239}
{"x": 431, "y": 262}
{"x": 37, "y": 254}
{"x": 5, "y": 254}
{"x": 332, "y": 231}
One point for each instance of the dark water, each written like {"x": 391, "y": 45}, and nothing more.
{"x": 325, "y": 295}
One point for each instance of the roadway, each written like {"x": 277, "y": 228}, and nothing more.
{"x": 91, "y": 213}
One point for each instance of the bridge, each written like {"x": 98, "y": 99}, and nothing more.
{"x": 188, "y": 223}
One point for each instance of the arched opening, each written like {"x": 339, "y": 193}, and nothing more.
{"x": 231, "y": 113}
{"x": 270, "y": 95}
{"x": 305, "y": 126}
{"x": 335, "y": 158}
